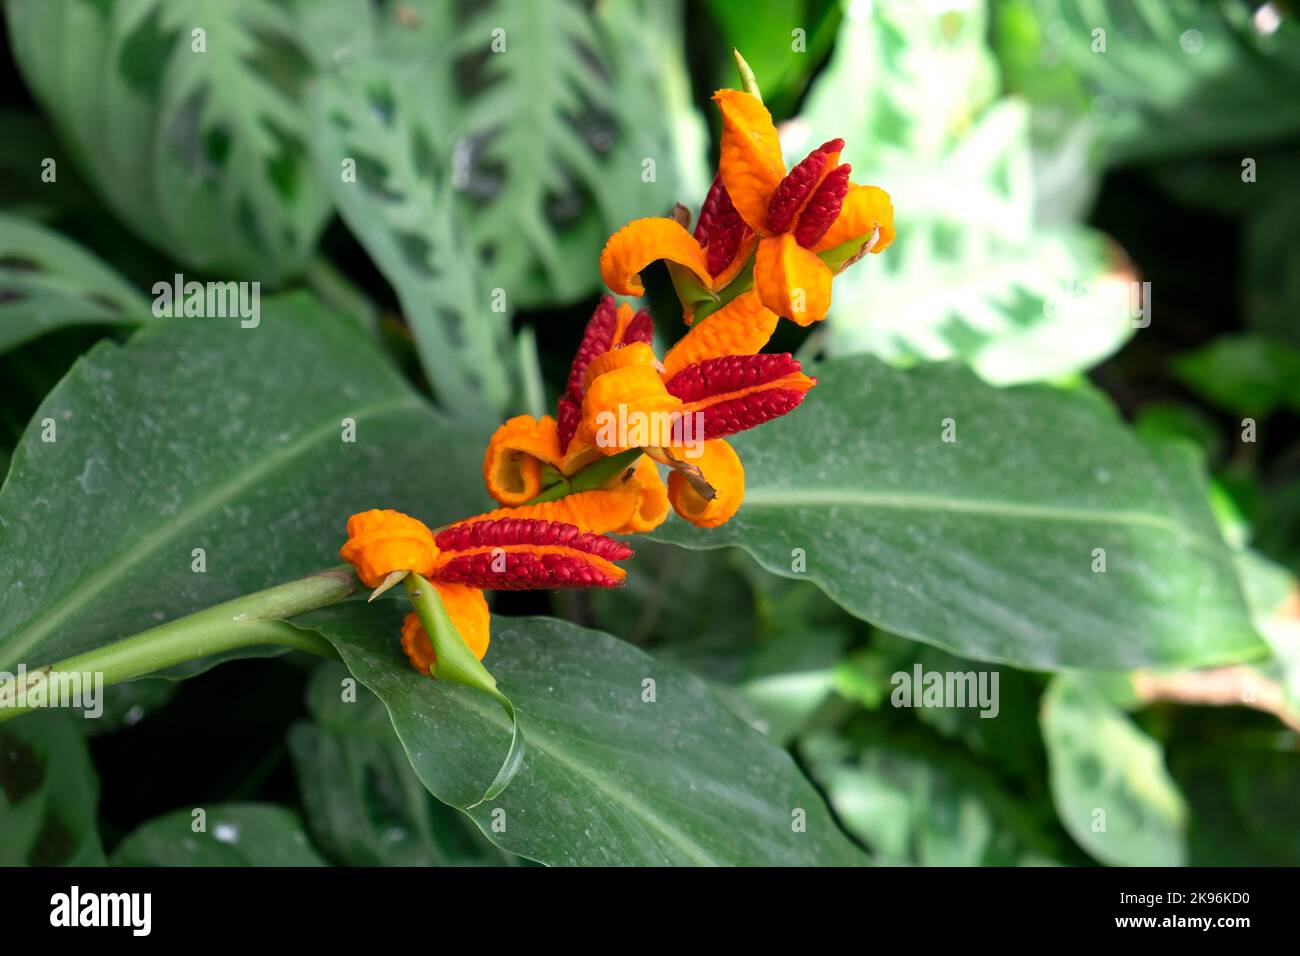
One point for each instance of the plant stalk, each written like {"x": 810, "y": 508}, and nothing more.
{"x": 248, "y": 621}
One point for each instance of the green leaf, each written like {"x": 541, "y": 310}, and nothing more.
{"x": 47, "y": 282}
{"x": 201, "y": 153}
{"x": 1109, "y": 781}
{"x": 610, "y": 777}
{"x": 379, "y": 144}
{"x": 455, "y": 663}
{"x": 916, "y": 801}
{"x": 1245, "y": 374}
{"x": 782, "y": 40}
{"x": 541, "y": 118}
{"x": 1242, "y": 792}
{"x": 363, "y": 803}
{"x": 985, "y": 546}
{"x": 1271, "y": 590}
{"x": 48, "y": 794}
{"x": 201, "y": 434}
{"x": 975, "y": 273}
{"x": 1176, "y": 77}
{"x": 232, "y": 834}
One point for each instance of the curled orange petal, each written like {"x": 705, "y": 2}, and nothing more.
{"x": 381, "y": 542}
{"x": 791, "y": 280}
{"x": 512, "y": 464}
{"x": 749, "y": 160}
{"x": 468, "y": 610}
{"x": 580, "y": 454}
{"x": 638, "y": 353}
{"x": 416, "y": 643}
{"x": 642, "y": 242}
{"x": 627, "y": 408}
{"x": 720, "y": 466}
{"x": 865, "y": 208}
{"x": 741, "y": 327}
{"x": 651, "y": 500}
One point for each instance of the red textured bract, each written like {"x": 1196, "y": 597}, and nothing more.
{"x": 721, "y": 229}
{"x": 640, "y": 329}
{"x": 730, "y": 373}
{"x": 596, "y": 341}
{"x": 503, "y": 532}
{"x": 824, "y": 207}
{"x": 525, "y": 570}
{"x": 749, "y": 411}
{"x": 797, "y": 185}
{"x": 568, "y": 414}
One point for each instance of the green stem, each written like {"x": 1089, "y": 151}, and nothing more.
{"x": 748, "y": 82}
{"x": 248, "y": 621}
{"x": 596, "y": 475}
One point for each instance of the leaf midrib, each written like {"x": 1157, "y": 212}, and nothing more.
{"x": 830, "y": 497}
{"x": 563, "y": 757}
{"x": 81, "y": 592}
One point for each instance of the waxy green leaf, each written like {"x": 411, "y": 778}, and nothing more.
{"x": 48, "y": 794}
{"x": 989, "y": 544}
{"x": 234, "y": 834}
{"x": 200, "y": 434}
{"x": 47, "y": 282}
{"x": 629, "y": 761}
{"x": 1109, "y": 781}
{"x": 362, "y": 801}
{"x": 170, "y": 115}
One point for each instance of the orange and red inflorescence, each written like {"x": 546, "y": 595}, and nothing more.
{"x": 766, "y": 245}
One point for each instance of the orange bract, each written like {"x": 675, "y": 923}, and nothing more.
{"x": 468, "y": 610}
{"x": 741, "y": 327}
{"x": 642, "y": 242}
{"x": 865, "y": 208}
{"x": 721, "y": 468}
{"x": 381, "y": 542}
{"x": 652, "y": 500}
{"x": 791, "y": 280}
{"x": 512, "y": 466}
{"x": 620, "y": 402}
{"x": 600, "y": 511}
{"x": 749, "y": 160}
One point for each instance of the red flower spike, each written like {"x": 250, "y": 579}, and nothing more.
{"x": 527, "y": 571}
{"x": 737, "y": 392}
{"x": 721, "y": 229}
{"x": 729, "y": 373}
{"x": 740, "y": 414}
{"x": 640, "y": 329}
{"x": 596, "y": 341}
{"x": 799, "y": 184}
{"x": 527, "y": 553}
{"x": 824, "y": 207}
{"x": 500, "y": 532}
{"x": 568, "y": 414}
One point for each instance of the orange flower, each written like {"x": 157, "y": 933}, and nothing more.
{"x": 527, "y": 455}
{"x": 712, "y": 384}
{"x": 805, "y": 217}
{"x": 477, "y": 554}
{"x": 798, "y": 228}
{"x": 381, "y": 542}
